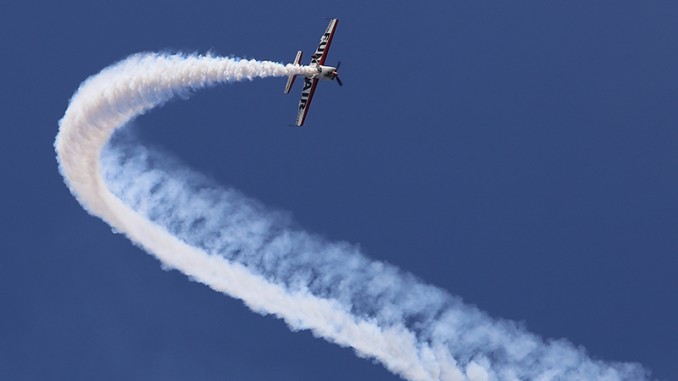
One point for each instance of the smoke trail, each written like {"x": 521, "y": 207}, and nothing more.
{"x": 236, "y": 246}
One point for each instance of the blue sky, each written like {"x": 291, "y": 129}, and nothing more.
{"x": 521, "y": 156}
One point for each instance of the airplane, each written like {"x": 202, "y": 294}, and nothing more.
{"x": 322, "y": 72}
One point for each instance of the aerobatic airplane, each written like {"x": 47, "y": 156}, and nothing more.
{"x": 322, "y": 72}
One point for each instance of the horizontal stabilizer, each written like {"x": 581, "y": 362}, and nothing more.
{"x": 291, "y": 78}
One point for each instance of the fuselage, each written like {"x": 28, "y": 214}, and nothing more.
{"x": 324, "y": 72}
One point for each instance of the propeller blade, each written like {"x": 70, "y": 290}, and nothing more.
{"x": 338, "y": 64}
{"x": 339, "y": 81}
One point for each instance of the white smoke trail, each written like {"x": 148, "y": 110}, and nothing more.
{"x": 234, "y": 245}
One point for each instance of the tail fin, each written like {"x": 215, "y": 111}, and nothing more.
{"x": 291, "y": 78}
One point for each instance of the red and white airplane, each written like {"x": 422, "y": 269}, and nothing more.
{"x": 322, "y": 72}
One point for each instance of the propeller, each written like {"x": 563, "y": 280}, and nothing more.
{"x": 336, "y": 76}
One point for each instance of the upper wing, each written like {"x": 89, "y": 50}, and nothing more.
{"x": 325, "y": 41}
{"x": 305, "y": 102}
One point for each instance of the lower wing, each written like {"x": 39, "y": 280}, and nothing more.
{"x": 305, "y": 101}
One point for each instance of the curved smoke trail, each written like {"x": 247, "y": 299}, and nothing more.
{"x": 236, "y": 246}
